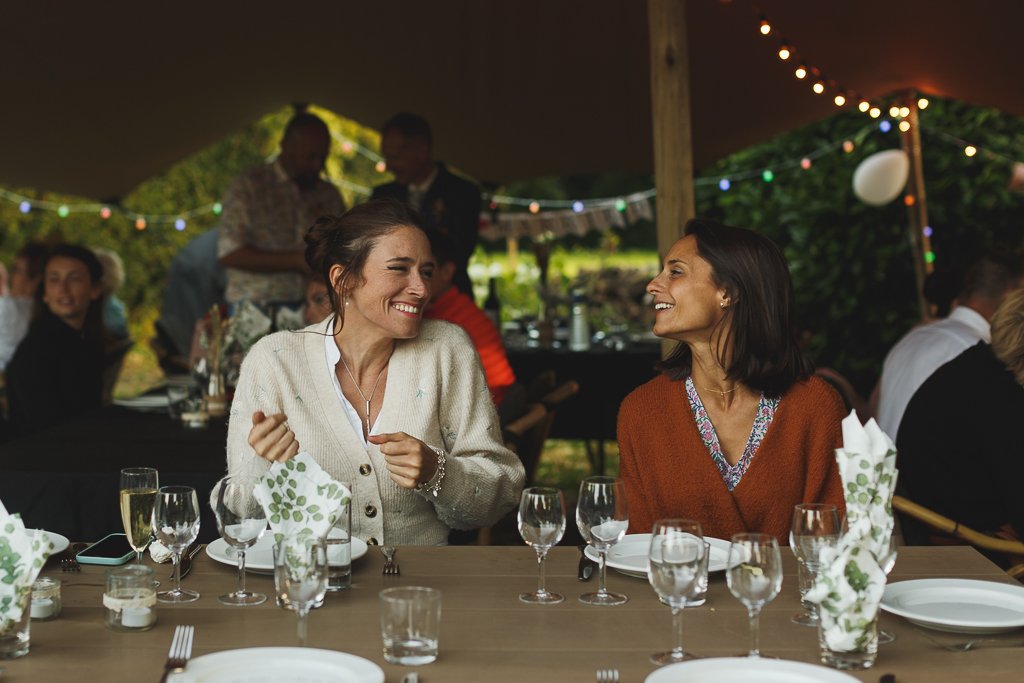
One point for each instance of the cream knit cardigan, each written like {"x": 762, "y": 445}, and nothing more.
{"x": 435, "y": 391}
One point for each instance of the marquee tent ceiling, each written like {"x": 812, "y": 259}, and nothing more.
{"x": 100, "y": 96}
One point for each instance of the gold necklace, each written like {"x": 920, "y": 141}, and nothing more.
{"x": 361, "y": 394}
{"x": 721, "y": 393}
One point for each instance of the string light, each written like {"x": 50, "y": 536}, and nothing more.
{"x": 767, "y": 175}
{"x": 894, "y": 111}
{"x": 909, "y": 200}
{"x": 765, "y": 27}
{"x": 904, "y": 112}
{"x": 970, "y": 150}
{"x": 140, "y": 223}
{"x": 217, "y": 208}
{"x": 63, "y": 211}
{"x": 105, "y": 212}
{"x": 801, "y": 72}
{"x": 818, "y": 87}
{"x": 848, "y": 146}
{"x": 24, "y": 207}
{"x": 875, "y": 112}
{"x": 927, "y": 231}
{"x": 929, "y": 256}
{"x": 904, "y": 126}
{"x": 577, "y": 207}
{"x": 380, "y": 167}
{"x": 864, "y": 106}
{"x": 884, "y": 125}
{"x": 922, "y": 103}
{"x": 840, "y": 100}
{"x": 724, "y": 184}
{"x": 620, "y": 205}
{"x": 805, "y": 163}
{"x": 784, "y": 52}
{"x": 534, "y": 207}
{"x": 347, "y": 148}
{"x": 179, "y": 224}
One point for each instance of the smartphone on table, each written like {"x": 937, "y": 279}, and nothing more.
{"x": 110, "y": 550}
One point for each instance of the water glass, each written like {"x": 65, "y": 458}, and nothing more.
{"x": 15, "y": 633}
{"x": 815, "y": 527}
{"x": 676, "y": 553}
{"x": 300, "y": 576}
{"x": 241, "y": 522}
{"x": 887, "y": 563}
{"x": 339, "y": 550}
{"x": 138, "y": 496}
{"x": 176, "y": 518}
{"x": 754, "y": 575}
{"x": 602, "y": 518}
{"x": 541, "y": 524}
{"x": 410, "y": 624}
{"x": 860, "y": 657}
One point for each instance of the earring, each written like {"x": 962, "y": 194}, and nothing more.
{"x": 723, "y": 304}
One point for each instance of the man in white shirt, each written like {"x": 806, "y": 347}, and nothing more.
{"x": 925, "y": 348}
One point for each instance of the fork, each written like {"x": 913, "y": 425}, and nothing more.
{"x": 70, "y": 564}
{"x": 969, "y": 645}
{"x": 607, "y": 676}
{"x": 390, "y": 566}
{"x": 181, "y": 650}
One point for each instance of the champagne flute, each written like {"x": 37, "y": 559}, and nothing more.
{"x": 241, "y": 522}
{"x": 887, "y": 563}
{"x": 754, "y": 575}
{"x": 300, "y": 576}
{"x": 541, "y": 524}
{"x": 602, "y": 519}
{"x": 138, "y": 495}
{"x": 673, "y": 567}
{"x": 815, "y": 526}
{"x": 176, "y": 517}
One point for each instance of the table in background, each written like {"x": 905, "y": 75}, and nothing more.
{"x": 65, "y": 478}
{"x": 605, "y": 377}
{"x": 486, "y": 633}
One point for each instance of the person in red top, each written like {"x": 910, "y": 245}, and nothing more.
{"x": 447, "y": 302}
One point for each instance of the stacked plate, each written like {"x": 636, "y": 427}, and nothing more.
{"x": 957, "y": 605}
{"x": 259, "y": 559}
{"x": 629, "y": 555}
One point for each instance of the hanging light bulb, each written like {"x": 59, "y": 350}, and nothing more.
{"x": 904, "y": 126}
{"x": 894, "y": 111}
{"x": 801, "y": 72}
{"x": 784, "y": 52}
{"x": 534, "y": 207}
{"x": 724, "y": 184}
{"x": 577, "y": 206}
{"x": 848, "y": 146}
{"x": 922, "y": 103}
{"x": 179, "y": 224}
{"x": 217, "y": 208}
{"x": 927, "y": 231}
{"x": 818, "y": 87}
{"x": 805, "y": 163}
{"x": 884, "y": 125}
{"x": 864, "y": 106}
{"x": 904, "y": 112}
{"x": 840, "y": 99}
{"x": 63, "y": 211}
{"x": 875, "y": 112}
{"x": 765, "y": 27}
{"x": 105, "y": 212}
{"x": 25, "y": 207}
{"x": 620, "y": 205}
{"x": 140, "y": 223}
{"x": 929, "y": 257}
{"x": 767, "y": 175}
{"x": 909, "y": 200}
{"x": 970, "y": 150}
{"x": 380, "y": 167}
{"x": 347, "y": 148}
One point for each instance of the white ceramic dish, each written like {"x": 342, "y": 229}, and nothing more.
{"x": 745, "y": 670}
{"x": 60, "y": 543}
{"x": 260, "y": 557}
{"x": 281, "y": 665}
{"x": 629, "y": 555}
{"x": 154, "y": 402}
{"x": 957, "y": 605}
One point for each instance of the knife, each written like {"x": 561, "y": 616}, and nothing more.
{"x": 586, "y": 568}
{"x": 186, "y": 559}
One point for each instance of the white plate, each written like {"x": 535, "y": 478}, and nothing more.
{"x": 60, "y": 543}
{"x": 629, "y": 555}
{"x": 260, "y": 557}
{"x": 281, "y": 665}
{"x": 957, "y": 605}
{"x": 744, "y": 670}
{"x": 153, "y": 402}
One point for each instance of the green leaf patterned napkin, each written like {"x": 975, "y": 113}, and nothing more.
{"x": 302, "y": 502}
{"x": 22, "y": 555}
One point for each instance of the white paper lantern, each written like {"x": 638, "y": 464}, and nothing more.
{"x": 880, "y": 178}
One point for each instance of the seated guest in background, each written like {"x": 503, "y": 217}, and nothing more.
{"x": 922, "y": 350}
{"x": 17, "y": 295}
{"x": 57, "y": 371}
{"x": 736, "y": 430}
{"x": 391, "y": 404}
{"x": 115, "y": 315}
{"x": 318, "y": 302}
{"x": 449, "y": 303}
{"x": 959, "y": 447}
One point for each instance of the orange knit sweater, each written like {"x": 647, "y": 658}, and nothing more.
{"x": 668, "y": 471}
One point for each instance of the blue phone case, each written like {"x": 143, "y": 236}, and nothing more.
{"x": 86, "y": 556}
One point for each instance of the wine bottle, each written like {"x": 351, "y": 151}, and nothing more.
{"x": 579, "y": 329}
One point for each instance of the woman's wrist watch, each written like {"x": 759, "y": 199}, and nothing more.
{"x": 434, "y": 484}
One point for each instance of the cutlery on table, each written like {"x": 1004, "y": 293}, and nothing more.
{"x": 390, "y": 566}
{"x": 969, "y": 645}
{"x": 70, "y": 564}
{"x": 607, "y": 676}
{"x": 186, "y": 559}
{"x": 411, "y": 677}
{"x": 180, "y": 652}
{"x": 587, "y": 565}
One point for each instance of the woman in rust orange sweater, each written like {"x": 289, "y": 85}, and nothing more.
{"x": 736, "y": 430}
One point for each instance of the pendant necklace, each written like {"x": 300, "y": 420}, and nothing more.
{"x": 361, "y": 394}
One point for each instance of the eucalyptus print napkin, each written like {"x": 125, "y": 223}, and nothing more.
{"x": 302, "y": 502}
{"x": 22, "y": 555}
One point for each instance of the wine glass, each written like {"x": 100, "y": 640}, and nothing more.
{"x": 138, "y": 495}
{"x": 176, "y": 518}
{"x": 241, "y": 522}
{"x": 887, "y": 563}
{"x": 541, "y": 524}
{"x": 673, "y": 567}
{"x": 602, "y": 519}
{"x": 754, "y": 575}
{"x": 815, "y": 526}
{"x": 300, "y": 576}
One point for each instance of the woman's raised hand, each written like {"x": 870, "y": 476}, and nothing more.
{"x": 410, "y": 462}
{"x": 271, "y": 437}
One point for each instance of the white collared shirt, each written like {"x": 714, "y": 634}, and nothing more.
{"x": 417, "y": 191}
{"x": 333, "y": 355}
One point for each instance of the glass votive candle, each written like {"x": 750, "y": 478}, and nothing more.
{"x": 45, "y": 599}
{"x": 130, "y": 600}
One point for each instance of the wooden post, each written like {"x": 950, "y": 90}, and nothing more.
{"x": 917, "y": 203}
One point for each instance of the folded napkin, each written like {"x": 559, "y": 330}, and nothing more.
{"x": 302, "y": 502}
{"x": 159, "y": 552}
{"x": 850, "y": 579}
{"x": 22, "y": 555}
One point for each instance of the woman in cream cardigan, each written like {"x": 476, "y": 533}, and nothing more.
{"x": 736, "y": 430}
{"x": 395, "y": 406}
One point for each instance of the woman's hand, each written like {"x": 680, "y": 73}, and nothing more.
{"x": 410, "y": 462}
{"x": 271, "y": 437}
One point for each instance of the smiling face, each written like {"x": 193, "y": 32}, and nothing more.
{"x": 395, "y": 286}
{"x": 687, "y": 302}
{"x": 68, "y": 290}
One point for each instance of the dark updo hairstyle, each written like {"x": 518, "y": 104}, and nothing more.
{"x": 761, "y": 340}
{"x": 93, "y": 328}
{"x": 347, "y": 240}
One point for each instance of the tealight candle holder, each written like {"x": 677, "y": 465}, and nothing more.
{"x": 130, "y": 600}
{"x": 45, "y": 599}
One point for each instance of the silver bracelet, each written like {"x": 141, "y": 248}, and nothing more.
{"x": 434, "y": 485}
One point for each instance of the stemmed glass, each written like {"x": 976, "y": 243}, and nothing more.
{"x": 815, "y": 526}
{"x": 754, "y": 575}
{"x": 176, "y": 517}
{"x": 673, "y": 567}
{"x": 888, "y": 562}
{"x": 300, "y": 576}
{"x": 602, "y": 519}
{"x": 241, "y": 522}
{"x": 541, "y": 524}
{"x": 138, "y": 495}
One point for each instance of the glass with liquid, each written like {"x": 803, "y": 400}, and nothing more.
{"x": 138, "y": 495}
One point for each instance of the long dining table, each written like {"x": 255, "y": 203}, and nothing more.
{"x": 487, "y": 634}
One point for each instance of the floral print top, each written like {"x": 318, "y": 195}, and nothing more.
{"x": 731, "y": 474}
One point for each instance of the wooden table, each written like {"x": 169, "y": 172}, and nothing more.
{"x": 486, "y": 633}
